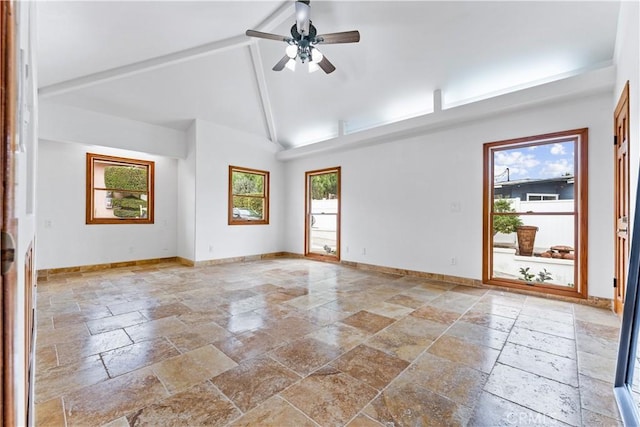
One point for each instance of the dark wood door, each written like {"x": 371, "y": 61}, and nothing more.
{"x": 621, "y": 191}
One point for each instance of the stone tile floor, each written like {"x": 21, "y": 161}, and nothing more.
{"x": 290, "y": 342}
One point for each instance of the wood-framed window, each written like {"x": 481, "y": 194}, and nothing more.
{"x": 248, "y": 196}
{"x": 537, "y": 243}
{"x": 119, "y": 190}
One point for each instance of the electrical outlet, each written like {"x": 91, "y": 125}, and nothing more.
{"x": 364, "y": 251}
{"x": 210, "y": 248}
{"x": 454, "y": 261}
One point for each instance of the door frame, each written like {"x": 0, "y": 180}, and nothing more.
{"x": 10, "y": 388}
{"x": 621, "y": 197}
{"x": 581, "y": 140}
{"x": 307, "y": 214}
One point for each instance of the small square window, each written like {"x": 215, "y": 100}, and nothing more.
{"x": 119, "y": 190}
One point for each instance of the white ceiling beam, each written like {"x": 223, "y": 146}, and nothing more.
{"x": 263, "y": 93}
{"x": 281, "y": 14}
{"x": 143, "y": 66}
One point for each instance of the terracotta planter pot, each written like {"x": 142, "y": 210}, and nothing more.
{"x": 526, "y": 239}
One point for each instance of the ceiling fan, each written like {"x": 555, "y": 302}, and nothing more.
{"x": 303, "y": 41}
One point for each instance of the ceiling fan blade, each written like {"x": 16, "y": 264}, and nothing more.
{"x": 326, "y": 65}
{"x": 280, "y": 65}
{"x": 343, "y": 37}
{"x": 302, "y": 17}
{"x": 269, "y": 36}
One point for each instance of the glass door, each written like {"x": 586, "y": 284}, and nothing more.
{"x": 535, "y": 213}
{"x": 322, "y": 214}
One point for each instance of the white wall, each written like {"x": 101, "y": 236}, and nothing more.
{"x": 186, "y": 199}
{"x": 64, "y": 240}
{"x": 71, "y": 124}
{"x": 397, "y": 197}
{"x": 627, "y": 54}
{"x": 217, "y": 148}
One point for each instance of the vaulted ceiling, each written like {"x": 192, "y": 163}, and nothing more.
{"x": 169, "y": 62}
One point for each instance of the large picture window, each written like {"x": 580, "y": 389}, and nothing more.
{"x": 535, "y": 213}
{"x": 119, "y": 190}
{"x": 248, "y": 196}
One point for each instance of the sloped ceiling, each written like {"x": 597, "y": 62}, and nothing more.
{"x": 167, "y": 63}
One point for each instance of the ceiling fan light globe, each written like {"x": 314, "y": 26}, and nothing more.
{"x": 316, "y": 56}
{"x": 291, "y": 64}
{"x": 291, "y": 51}
{"x": 313, "y": 67}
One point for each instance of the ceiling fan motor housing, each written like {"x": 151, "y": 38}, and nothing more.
{"x": 304, "y": 43}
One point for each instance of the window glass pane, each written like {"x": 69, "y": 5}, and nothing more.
{"x": 537, "y": 178}
{"x": 248, "y": 208}
{"x": 324, "y": 186}
{"x": 123, "y": 177}
{"x": 323, "y": 235}
{"x": 540, "y": 251}
{"x": 102, "y": 204}
{"x": 129, "y": 205}
{"x": 248, "y": 183}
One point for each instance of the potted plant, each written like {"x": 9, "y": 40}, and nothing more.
{"x": 512, "y": 223}
{"x": 526, "y": 239}
{"x": 504, "y": 223}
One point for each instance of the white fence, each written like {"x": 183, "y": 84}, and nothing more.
{"x": 552, "y": 230}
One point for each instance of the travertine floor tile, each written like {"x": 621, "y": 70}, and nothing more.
{"x": 134, "y": 356}
{"x": 340, "y": 335}
{"x": 460, "y": 351}
{"x": 477, "y": 334}
{"x": 111, "y": 399}
{"x": 545, "y": 342}
{"x": 254, "y": 381}
{"x": 111, "y": 323}
{"x": 368, "y": 322}
{"x": 184, "y": 371}
{"x": 363, "y": 421}
{"x": 330, "y": 397}
{"x": 275, "y": 412}
{"x": 488, "y": 320}
{"x": 449, "y": 379}
{"x": 408, "y": 404}
{"x": 558, "y": 368}
{"x": 494, "y": 411}
{"x": 50, "y": 413}
{"x": 370, "y": 366}
{"x": 305, "y": 355}
{"x": 597, "y": 397}
{"x": 436, "y": 314}
{"x": 554, "y": 399}
{"x": 74, "y": 350}
{"x": 292, "y": 342}
{"x": 201, "y": 405}
{"x": 61, "y": 380}
{"x": 407, "y": 338}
